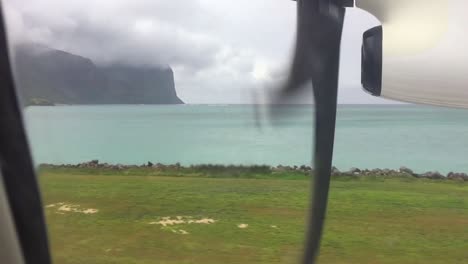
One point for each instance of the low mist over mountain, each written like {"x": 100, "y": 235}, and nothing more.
{"x": 50, "y": 76}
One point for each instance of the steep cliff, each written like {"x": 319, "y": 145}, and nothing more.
{"x": 58, "y": 77}
{"x": 131, "y": 85}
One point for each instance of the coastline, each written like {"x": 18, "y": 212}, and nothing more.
{"x": 243, "y": 170}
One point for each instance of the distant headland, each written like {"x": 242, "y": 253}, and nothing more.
{"x": 47, "y": 76}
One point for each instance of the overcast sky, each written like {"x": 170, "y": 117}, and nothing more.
{"x": 221, "y": 51}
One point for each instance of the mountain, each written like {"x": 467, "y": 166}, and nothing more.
{"x": 49, "y": 76}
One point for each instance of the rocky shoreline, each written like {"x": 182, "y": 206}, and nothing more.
{"x": 401, "y": 172}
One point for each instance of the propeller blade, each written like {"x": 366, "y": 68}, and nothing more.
{"x": 316, "y": 59}
{"x": 419, "y": 53}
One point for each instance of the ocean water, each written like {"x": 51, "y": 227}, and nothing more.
{"x": 367, "y": 136}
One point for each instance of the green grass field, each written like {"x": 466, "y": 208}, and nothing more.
{"x": 370, "y": 220}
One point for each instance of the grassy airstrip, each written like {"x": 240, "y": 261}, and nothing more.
{"x": 251, "y": 216}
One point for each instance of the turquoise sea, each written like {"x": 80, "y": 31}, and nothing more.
{"x": 367, "y": 136}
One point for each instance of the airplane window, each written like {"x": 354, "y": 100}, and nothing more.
{"x": 203, "y": 131}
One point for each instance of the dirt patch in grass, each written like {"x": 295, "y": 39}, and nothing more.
{"x": 74, "y": 208}
{"x": 179, "y": 220}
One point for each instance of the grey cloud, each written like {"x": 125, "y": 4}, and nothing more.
{"x": 113, "y": 36}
